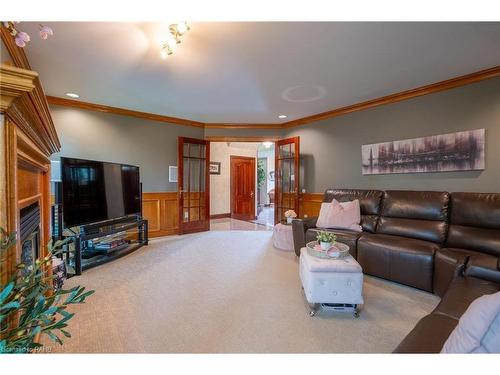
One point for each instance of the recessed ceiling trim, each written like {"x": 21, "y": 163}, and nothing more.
{"x": 393, "y": 98}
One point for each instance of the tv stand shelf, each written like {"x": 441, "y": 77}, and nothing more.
{"x": 86, "y": 257}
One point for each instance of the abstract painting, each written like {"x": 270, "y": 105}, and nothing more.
{"x": 462, "y": 151}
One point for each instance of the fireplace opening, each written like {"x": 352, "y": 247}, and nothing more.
{"x": 30, "y": 236}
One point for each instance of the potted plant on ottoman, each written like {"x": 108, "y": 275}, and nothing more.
{"x": 326, "y": 239}
{"x": 290, "y": 215}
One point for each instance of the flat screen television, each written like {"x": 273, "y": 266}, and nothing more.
{"x": 94, "y": 191}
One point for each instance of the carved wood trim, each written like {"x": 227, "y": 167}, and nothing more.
{"x": 35, "y": 103}
{"x": 13, "y": 83}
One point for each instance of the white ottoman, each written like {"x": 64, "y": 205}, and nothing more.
{"x": 283, "y": 237}
{"x": 333, "y": 283}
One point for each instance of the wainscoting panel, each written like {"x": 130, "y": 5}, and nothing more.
{"x": 162, "y": 212}
{"x": 310, "y": 204}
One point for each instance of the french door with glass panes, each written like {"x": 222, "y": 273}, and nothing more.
{"x": 286, "y": 177}
{"x": 193, "y": 185}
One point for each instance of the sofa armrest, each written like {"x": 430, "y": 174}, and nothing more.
{"x": 299, "y": 229}
{"x": 486, "y": 267}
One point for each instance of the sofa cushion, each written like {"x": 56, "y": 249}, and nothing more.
{"x": 475, "y": 222}
{"x": 448, "y": 264}
{"x": 415, "y": 214}
{"x": 483, "y": 266}
{"x": 369, "y": 201}
{"x": 460, "y": 294}
{"x": 350, "y": 238}
{"x": 478, "y": 330}
{"x": 405, "y": 260}
{"x": 429, "y": 335}
{"x": 337, "y": 215}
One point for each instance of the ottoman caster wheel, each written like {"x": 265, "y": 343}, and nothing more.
{"x": 312, "y": 313}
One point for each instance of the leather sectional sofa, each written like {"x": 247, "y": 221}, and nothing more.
{"x": 443, "y": 243}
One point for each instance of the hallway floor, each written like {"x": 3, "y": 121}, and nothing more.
{"x": 233, "y": 224}
{"x": 266, "y": 217}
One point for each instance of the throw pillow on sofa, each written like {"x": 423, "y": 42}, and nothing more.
{"x": 335, "y": 215}
{"x": 478, "y": 330}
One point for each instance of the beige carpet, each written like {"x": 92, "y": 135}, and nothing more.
{"x": 228, "y": 292}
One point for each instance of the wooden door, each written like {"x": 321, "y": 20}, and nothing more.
{"x": 286, "y": 177}
{"x": 242, "y": 188}
{"x": 194, "y": 185}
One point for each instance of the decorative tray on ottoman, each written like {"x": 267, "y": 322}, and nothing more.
{"x": 337, "y": 251}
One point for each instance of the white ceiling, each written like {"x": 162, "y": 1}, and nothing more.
{"x": 252, "y": 72}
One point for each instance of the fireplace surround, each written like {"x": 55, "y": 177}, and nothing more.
{"x": 27, "y": 139}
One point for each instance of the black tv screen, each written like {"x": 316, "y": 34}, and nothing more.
{"x": 95, "y": 191}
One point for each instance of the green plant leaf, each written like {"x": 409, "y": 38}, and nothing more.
{"x": 66, "y": 333}
{"x": 10, "y": 305}
{"x": 6, "y": 291}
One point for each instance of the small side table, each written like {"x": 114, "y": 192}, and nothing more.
{"x": 283, "y": 237}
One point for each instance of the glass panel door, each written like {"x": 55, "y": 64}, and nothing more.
{"x": 194, "y": 156}
{"x": 286, "y": 177}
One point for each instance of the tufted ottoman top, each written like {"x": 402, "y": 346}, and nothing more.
{"x": 343, "y": 265}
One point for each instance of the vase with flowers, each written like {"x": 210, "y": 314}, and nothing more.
{"x": 290, "y": 215}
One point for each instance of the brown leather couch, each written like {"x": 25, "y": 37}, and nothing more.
{"x": 448, "y": 244}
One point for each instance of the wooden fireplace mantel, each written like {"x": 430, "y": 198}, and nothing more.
{"x": 27, "y": 139}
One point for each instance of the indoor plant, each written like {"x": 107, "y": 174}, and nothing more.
{"x": 326, "y": 239}
{"x": 29, "y": 306}
{"x": 290, "y": 215}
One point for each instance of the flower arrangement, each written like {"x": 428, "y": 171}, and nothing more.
{"x": 20, "y": 37}
{"x": 290, "y": 215}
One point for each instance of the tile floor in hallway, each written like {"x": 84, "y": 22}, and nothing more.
{"x": 266, "y": 217}
{"x": 232, "y": 224}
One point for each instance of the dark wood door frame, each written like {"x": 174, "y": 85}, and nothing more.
{"x": 203, "y": 224}
{"x": 278, "y": 197}
{"x": 231, "y": 178}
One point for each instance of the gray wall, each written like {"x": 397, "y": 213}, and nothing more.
{"x": 331, "y": 149}
{"x": 151, "y": 145}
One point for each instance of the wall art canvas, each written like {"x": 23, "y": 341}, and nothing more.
{"x": 462, "y": 151}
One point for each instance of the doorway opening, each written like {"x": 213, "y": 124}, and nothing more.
{"x": 265, "y": 184}
{"x": 242, "y": 181}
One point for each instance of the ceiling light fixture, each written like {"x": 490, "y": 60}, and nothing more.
{"x": 72, "y": 95}
{"x": 176, "y": 30}
{"x": 282, "y": 116}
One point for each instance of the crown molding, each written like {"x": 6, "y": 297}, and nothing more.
{"x": 389, "y": 99}
{"x": 211, "y": 125}
{"x": 400, "y": 96}
{"x": 33, "y": 104}
{"x": 13, "y": 83}
{"x": 53, "y": 100}
{"x": 216, "y": 138}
